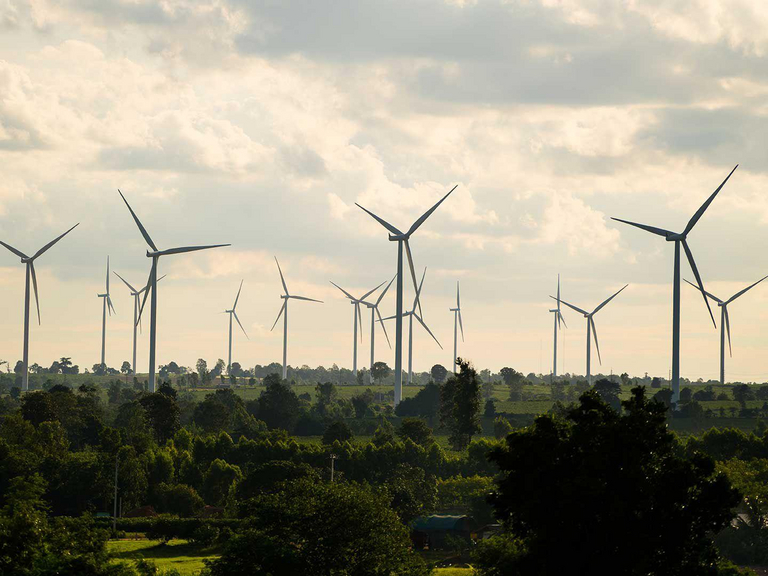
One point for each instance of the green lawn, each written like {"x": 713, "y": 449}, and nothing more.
{"x": 454, "y": 571}
{"x": 178, "y": 554}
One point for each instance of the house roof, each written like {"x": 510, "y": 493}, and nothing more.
{"x": 438, "y": 522}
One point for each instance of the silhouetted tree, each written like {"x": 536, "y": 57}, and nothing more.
{"x": 460, "y": 406}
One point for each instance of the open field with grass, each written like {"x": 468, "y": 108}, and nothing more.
{"x": 181, "y": 555}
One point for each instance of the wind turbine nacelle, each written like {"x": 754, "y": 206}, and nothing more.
{"x": 398, "y": 237}
{"x": 102, "y": 295}
{"x": 675, "y": 237}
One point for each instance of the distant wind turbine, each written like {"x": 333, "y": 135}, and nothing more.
{"x": 284, "y": 311}
{"x": 30, "y": 264}
{"x": 356, "y": 303}
{"x": 402, "y": 240}
{"x": 155, "y": 254}
{"x": 678, "y": 239}
{"x": 725, "y": 322}
{"x": 590, "y": 327}
{"x": 106, "y": 307}
{"x": 456, "y": 318}
{"x": 232, "y": 313}
{"x": 136, "y": 318}
{"x": 558, "y": 317}
{"x": 411, "y": 315}
{"x": 374, "y": 308}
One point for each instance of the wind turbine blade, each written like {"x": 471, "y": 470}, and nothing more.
{"x": 427, "y": 329}
{"x": 391, "y": 317}
{"x": 428, "y": 213}
{"x": 52, "y": 242}
{"x": 715, "y": 298}
{"x": 728, "y": 329}
{"x": 110, "y": 306}
{"x": 238, "y": 323}
{"x": 381, "y": 321}
{"x": 131, "y": 288}
{"x": 695, "y": 218}
{"x": 347, "y": 294}
{"x": 579, "y": 310}
{"x": 732, "y": 298}
{"x": 413, "y": 270}
{"x": 143, "y": 230}
{"x": 461, "y": 326}
{"x": 148, "y": 287}
{"x": 416, "y": 301}
{"x": 651, "y": 229}
{"x": 139, "y": 320}
{"x": 305, "y": 298}
{"x": 18, "y": 253}
{"x": 185, "y": 249}
{"x": 34, "y": 285}
{"x": 285, "y": 288}
{"x": 559, "y": 314}
{"x": 458, "y": 297}
{"x": 698, "y": 279}
{"x": 107, "y": 274}
{"x": 238, "y": 295}
{"x": 381, "y": 297}
{"x": 279, "y": 314}
{"x": 597, "y": 345}
{"x": 360, "y": 318}
{"x": 596, "y": 310}
{"x": 384, "y": 223}
{"x": 364, "y": 296}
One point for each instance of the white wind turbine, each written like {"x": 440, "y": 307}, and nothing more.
{"x": 155, "y": 254}
{"x": 374, "y": 308}
{"x": 106, "y": 307}
{"x": 590, "y": 327}
{"x": 284, "y": 311}
{"x": 136, "y": 318}
{"x": 232, "y": 313}
{"x": 356, "y": 313}
{"x": 30, "y": 264}
{"x": 411, "y": 315}
{"x": 457, "y": 319}
{"x": 725, "y": 322}
{"x": 558, "y": 319}
{"x": 402, "y": 240}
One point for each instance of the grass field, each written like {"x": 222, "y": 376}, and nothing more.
{"x": 178, "y": 554}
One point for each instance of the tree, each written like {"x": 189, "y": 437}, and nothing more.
{"x": 19, "y": 367}
{"x": 742, "y": 393}
{"x": 380, "y": 371}
{"x": 656, "y": 382}
{"x": 686, "y": 395}
{"x": 236, "y": 370}
{"x": 162, "y": 413}
{"x": 278, "y": 405}
{"x": 126, "y": 368}
{"x": 609, "y": 392}
{"x": 460, "y": 406}
{"x": 211, "y": 415}
{"x": 99, "y": 369}
{"x": 490, "y": 408}
{"x": 202, "y": 370}
{"x": 415, "y": 430}
{"x": 438, "y": 373}
{"x": 595, "y": 475}
{"x": 511, "y": 376}
{"x": 317, "y": 528}
{"x": 220, "y": 478}
{"x": 426, "y": 403}
{"x": 337, "y": 431}
{"x": 360, "y": 402}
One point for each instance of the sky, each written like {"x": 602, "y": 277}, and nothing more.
{"x": 261, "y": 124}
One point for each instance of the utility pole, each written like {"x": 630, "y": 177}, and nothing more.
{"x": 333, "y": 458}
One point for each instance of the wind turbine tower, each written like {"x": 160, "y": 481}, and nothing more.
{"x": 106, "y": 307}
{"x": 358, "y": 316}
{"x": 457, "y": 319}
{"x": 401, "y": 238}
{"x": 136, "y": 318}
{"x": 558, "y": 318}
{"x": 374, "y": 308}
{"x": 681, "y": 238}
{"x": 233, "y": 314}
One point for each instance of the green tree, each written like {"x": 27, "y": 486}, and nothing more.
{"x": 438, "y": 373}
{"x": 220, "y": 478}
{"x": 278, "y": 405}
{"x": 416, "y": 430}
{"x": 319, "y": 528}
{"x": 609, "y": 392}
{"x": 361, "y": 402}
{"x": 162, "y": 414}
{"x": 426, "y": 403}
{"x": 380, "y": 371}
{"x": 594, "y": 475}
{"x": 339, "y": 430}
{"x": 460, "y": 406}
{"x": 511, "y": 376}
{"x": 126, "y": 368}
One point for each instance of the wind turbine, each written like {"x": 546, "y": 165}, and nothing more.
{"x": 411, "y": 315}
{"x": 232, "y": 313}
{"x": 678, "y": 239}
{"x": 590, "y": 325}
{"x": 725, "y": 323}
{"x": 558, "y": 319}
{"x": 136, "y": 318}
{"x": 106, "y": 307}
{"x": 456, "y": 318}
{"x": 284, "y": 311}
{"x": 356, "y": 302}
{"x": 374, "y": 308}
{"x": 402, "y": 240}
{"x": 30, "y": 264}
{"x": 155, "y": 254}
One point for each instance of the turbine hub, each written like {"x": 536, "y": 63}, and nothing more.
{"x": 675, "y": 237}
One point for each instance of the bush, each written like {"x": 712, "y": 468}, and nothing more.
{"x": 337, "y": 431}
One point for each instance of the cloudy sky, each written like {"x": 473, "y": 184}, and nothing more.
{"x": 262, "y": 123}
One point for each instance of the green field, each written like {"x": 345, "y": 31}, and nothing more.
{"x": 177, "y": 554}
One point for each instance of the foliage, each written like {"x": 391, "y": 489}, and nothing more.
{"x": 415, "y": 430}
{"x": 460, "y": 406}
{"x": 380, "y": 371}
{"x": 426, "y": 403}
{"x": 337, "y": 431}
{"x": 278, "y": 405}
{"x": 438, "y": 373}
{"x": 620, "y": 480}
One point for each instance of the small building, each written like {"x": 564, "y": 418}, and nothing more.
{"x": 435, "y": 532}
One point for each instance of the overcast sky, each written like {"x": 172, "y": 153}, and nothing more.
{"x": 262, "y": 123}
